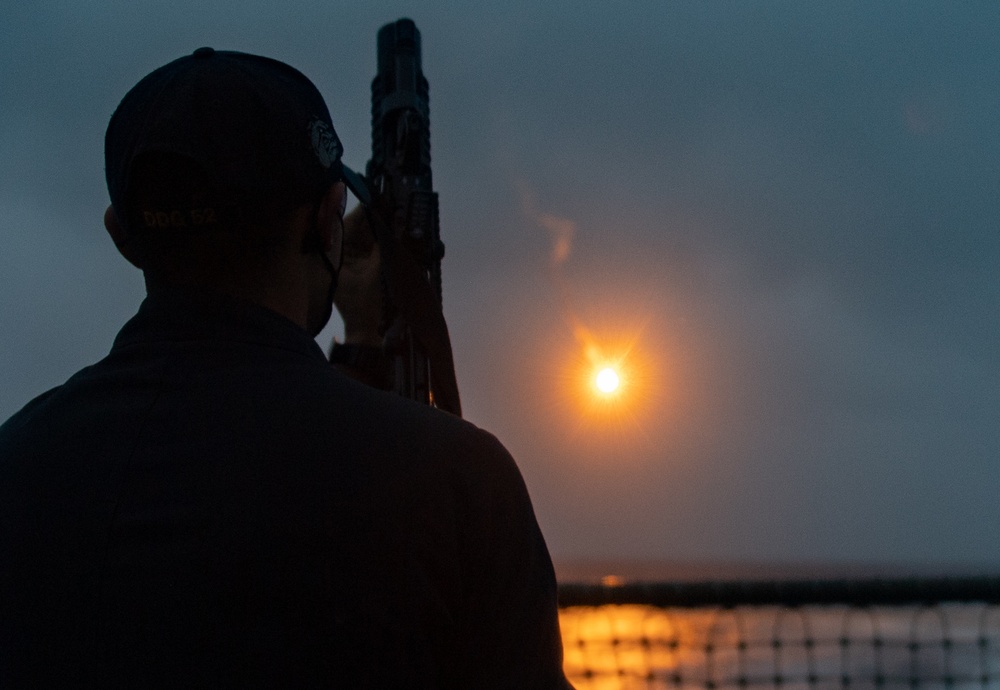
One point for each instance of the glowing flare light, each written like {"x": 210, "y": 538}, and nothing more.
{"x": 606, "y": 383}
{"x": 607, "y": 380}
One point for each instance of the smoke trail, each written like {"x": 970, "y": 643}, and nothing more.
{"x": 562, "y": 232}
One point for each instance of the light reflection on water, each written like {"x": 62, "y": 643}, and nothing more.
{"x": 624, "y": 647}
{"x": 612, "y": 647}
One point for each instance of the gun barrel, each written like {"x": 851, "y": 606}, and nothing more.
{"x": 401, "y": 142}
{"x": 399, "y": 54}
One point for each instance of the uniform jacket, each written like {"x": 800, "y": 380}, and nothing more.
{"x": 214, "y": 505}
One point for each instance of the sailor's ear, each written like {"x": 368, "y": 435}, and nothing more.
{"x": 119, "y": 235}
{"x": 329, "y": 221}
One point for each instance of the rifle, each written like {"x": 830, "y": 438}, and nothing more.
{"x": 399, "y": 175}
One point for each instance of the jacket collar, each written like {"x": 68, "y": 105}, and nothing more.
{"x": 184, "y": 314}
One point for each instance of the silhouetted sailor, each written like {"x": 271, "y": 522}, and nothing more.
{"x": 215, "y": 505}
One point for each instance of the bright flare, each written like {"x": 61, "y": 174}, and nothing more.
{"x": 607, "y": 380}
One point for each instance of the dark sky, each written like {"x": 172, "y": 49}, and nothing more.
{"x": 789, "y": 209}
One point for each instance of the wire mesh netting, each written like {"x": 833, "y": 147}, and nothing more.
{"x": 953, "y": 643}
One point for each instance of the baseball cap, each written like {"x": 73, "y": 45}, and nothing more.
{"x": 256, "y": 127}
